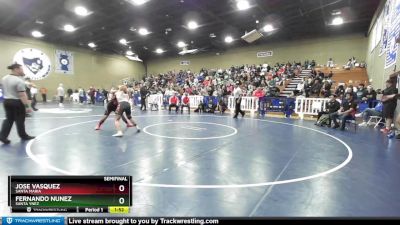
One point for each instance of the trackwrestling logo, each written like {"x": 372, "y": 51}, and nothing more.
{"x": 9, "y": 220}
{"x": 36, "y": 64}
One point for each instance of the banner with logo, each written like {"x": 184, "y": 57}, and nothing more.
{"x": 35, "y": 63}
{"x": 264, "y": 54}
{"x": 185, "y": 63}
{"x": 385, "y": 18}
{"x": 33, "y": 220}
{"x": 394, "y": 33}
{"x": 64, "y": 62}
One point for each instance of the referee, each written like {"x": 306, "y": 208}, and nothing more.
{"x": 15, "y": 103}
{"x": 237, "y": 94}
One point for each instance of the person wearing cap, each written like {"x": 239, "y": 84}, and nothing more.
{"x": 331, "y": 107}
{"x": 16, "y": 104}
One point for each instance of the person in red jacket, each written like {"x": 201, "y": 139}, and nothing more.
{"x": 185, "y": 103}
{"x": 260, "y": 94}
{"x": 174, "y": 102}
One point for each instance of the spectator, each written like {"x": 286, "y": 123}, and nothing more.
{"x": 370, "y": 96}
{"x": 313, "y": 63}
{"x": 211, "y": 107}
{"x": 346, "y": 112}
{"x": 348, "y": 65}
{"x": 299, "y": 88}
{"x": 143, "y": 95}
{"x": 200, "y": 107}
{"x": 60, "y": 94}
{"x": 222, "y": 106}
{"x": 316, "y": 88}
{"x": 326, "y": 89}
{"x": 105, "y": 94}
{"x": 43, "y": 91}
{"x": 34, "y": 92}
{"x": 353, "y": 62}
{"x": 31, "y": 92}
{"x": 185, "y": 103}
{"x": 361, "y": 92}
{"x": 69, "y": 92}
{"x": 260, "y": 94}
{"x": 81, "y": 95}
{"x": 174, "y": 102}
{"x": 331, "y": 107}
{"x": 330, "y": 63}
{"x": 92, "y": 95}
{"x": 389, "y": 105}
{"x": 377, "y": 111}
{"x": 330, "y": 75}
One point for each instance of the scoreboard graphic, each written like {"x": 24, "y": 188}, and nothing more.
{"x": 70, "y": 194}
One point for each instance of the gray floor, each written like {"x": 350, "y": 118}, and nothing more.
{"x": 212, "y": 165}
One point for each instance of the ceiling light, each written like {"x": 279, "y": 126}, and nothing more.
{"x": 336, "y": 12}
{"x": 228, "y": 39}
{"x": 92, "y": 45}
{"x": 39, "y": 22}
{"x": 129, "y": 52}
{"x": 257, "y": 21}
{"x": 212, "y": 35}
{"x": 123, "y": 41}
{"x": 134, "y": 58}
{"x": 159, "y": 50}
{"x": 181, "y": 44}
{"x": 81, "y": 11}
{"x": 192, "y": 25}
{"x": 337, "y": 21}
{"x": 69, "y": 28}
{"x": 37, "y": 34}
{"x": 143, "y": 31}
{"x": 139, "y": 2}
{"x": 268, "y": 28}
{"x": 242, "y": 4}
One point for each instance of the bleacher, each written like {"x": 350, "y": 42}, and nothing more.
{"x": 291, "y": 84}
{"x": 354, "y": 76}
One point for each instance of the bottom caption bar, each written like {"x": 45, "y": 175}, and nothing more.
{"x": 181, "y": 220}
{"x": 140, "y": 221}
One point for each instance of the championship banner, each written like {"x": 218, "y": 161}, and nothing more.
{"x": 64, "y": 62}
{"x": 394, "y": 33}
{"x": 385, "y": 18}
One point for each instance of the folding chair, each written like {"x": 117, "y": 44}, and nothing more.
{"x": 375, "y": 120}
{"x": 352, "y": 122}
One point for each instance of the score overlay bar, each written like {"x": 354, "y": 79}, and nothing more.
{"x": 68, "y": 192}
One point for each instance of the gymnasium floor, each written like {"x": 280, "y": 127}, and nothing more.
{"x": 212, "y": 165}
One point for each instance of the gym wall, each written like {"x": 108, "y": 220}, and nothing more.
{"x": 90, "y": 68}
{"x": 340, "y": 48}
